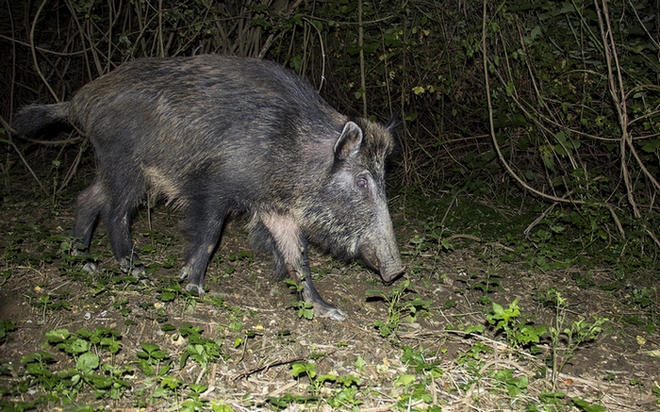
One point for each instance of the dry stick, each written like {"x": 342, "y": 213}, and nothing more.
{"x": 190, "y": 40}
{"x": 110, "y": 25}
{"x": 501, "y": 156}
{"x": 386, "y": 72}
{"x": 641, "y": 164}
{"x": 444, "y": 217}
{"x": 616, "y": 219}
{"x": 41, "y": 49}
{"x": 92, "y": 46}
{"x": 609, "y": 49}
{"x": 13, "y": 62}
{"x": 642, "y": 25}
{"x": 322, "y": 52}
{"x": 538, "y": 220}
{"x": 74, "y": 167}
{"x": 267, "y": 366}
{"x": 34, "y": 52}
{"x": 11, "y": 143}
{"x": 143, "y": 25}
{"x": 652, "y": 235}
{"x": 271, "y": 38}
{"x": 72, "y": 10}
{"x": 363, "y": 80}
{"x": 36, "y": 65}
{"x": 160, "y": 28}
{"x": 497, "y": 147}
{"x": 492, "y": 127}
{"x": 538, "y": 96}
{"x": 43, "y": 189}
{"x": 623, "y": 117}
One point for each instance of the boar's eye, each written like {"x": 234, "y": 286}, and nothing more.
{"x": 362, "y": 182}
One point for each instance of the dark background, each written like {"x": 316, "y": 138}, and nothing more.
{"x": 547, "y": 106}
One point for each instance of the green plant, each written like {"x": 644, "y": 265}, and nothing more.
{"x": 199, "y": 349}
{"x": 106, "y": 380}
{"x": 6, "y": 326}
{"x": 517, "y": 332}
{"x": 305, "y": 309}
{"x": 423, "y": 370}
{"x": 152, "y": 360}
{"x": 486, "y": 284}
{"x": 403, "y": 304}
{"x": 587, "y": 406}
{"x": 419, "y": 361}
{"x": 643, "y": 297}
{"x": 345, "y": 387}
{"x": 514, "y": 385}
{"x": 567, "y": 338}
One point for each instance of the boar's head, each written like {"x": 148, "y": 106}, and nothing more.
{"x": 349, "y": 215}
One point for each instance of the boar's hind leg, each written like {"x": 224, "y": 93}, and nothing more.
{"x": 204, "y": 226}
{"x": 116, "y": 215}
{"x": 290, "y": 257}
{"x": 89, "y": 204}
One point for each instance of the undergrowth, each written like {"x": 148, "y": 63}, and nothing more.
{"x": 84, "y": 367}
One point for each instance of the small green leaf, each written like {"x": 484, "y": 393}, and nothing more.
{"x": 586, "y": 406}
{"x": 360, "y": 363}
{"x": 87, "y": 362}
{"x": 474, "y": 328}
{"x": 101, "y": 382}
{"x": 404, "y": 380}
{"x": 149, "y": 347}
{"x": 299, "y": 368}
{"x": 197, "y": 388}
{"x": 58, "y": 335}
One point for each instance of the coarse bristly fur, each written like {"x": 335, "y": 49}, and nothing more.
{"x": 215, "y": 135}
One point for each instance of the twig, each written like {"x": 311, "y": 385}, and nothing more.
{"x": 464, "y": 236}
{"x": 267, "y": 366}
{"x": 363, "y": 80}
{"x": 616, "y": 87}
{"x": 11, "y": 143}
{"x": 34, "y": 54}
{"x": 538, "y": 220}
{"x": 491, "y": 124}
{"x": 271, "y": 38}
{"x": 322, "y": 52}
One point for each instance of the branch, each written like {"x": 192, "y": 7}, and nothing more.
{"x": 492, "y": 127}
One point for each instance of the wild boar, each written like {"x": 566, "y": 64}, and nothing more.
{"x": 216, "y": 134}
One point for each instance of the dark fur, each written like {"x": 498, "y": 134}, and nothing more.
{"x": 219, "y": 134}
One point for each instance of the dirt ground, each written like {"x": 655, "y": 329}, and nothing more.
{"x": 617, "y": 370}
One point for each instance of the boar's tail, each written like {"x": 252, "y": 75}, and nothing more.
{"x": 31, "y": 119}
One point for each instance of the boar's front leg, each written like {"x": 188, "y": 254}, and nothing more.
{"x": 290, "y": 253}
{"x": 204, "y": 226}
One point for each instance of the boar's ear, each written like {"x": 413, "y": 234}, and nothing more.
{"x": 349, "y": 142}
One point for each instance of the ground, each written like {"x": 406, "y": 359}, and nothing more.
{"x": 423, "y": 342}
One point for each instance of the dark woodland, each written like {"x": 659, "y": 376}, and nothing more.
{"x": 522, "y": 192}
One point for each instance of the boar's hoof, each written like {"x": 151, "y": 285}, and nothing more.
{"x": 329, "y": 312}
{"x": 90, "y": 268}
{"x": 75, "y": 251}
{"x": 136, "y": 271}
{"x": 195, "y": 289}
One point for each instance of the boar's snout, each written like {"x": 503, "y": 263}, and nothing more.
{"x": 384, "y": 258}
